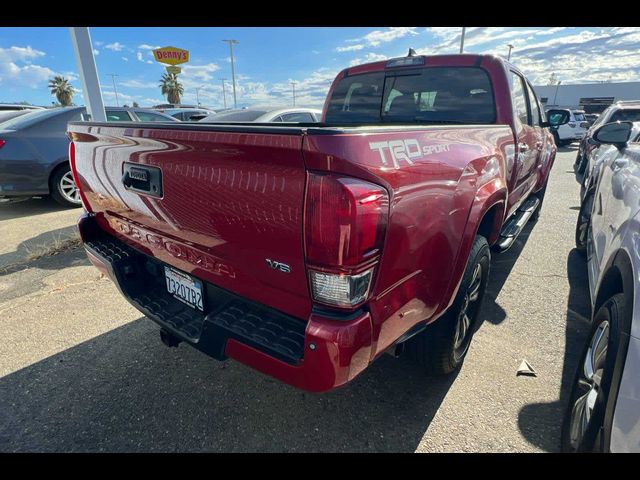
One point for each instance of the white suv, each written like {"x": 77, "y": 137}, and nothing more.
{"x": 572, "y": 131}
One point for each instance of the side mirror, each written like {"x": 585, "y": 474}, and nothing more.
{"x": 555, "y": 118}
{"x": 616, "y": 133}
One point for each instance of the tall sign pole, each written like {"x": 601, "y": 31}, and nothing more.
{"x": 83, "y": 51}
{"x": 113, "y": 78}
{"x": 464, "y": 29}
{"x": 233, "y": 71}
{"x": 224, "y": 91}
{"x": 293, "y": 84}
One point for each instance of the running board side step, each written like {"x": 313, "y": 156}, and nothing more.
{"x": 513, "y": 227}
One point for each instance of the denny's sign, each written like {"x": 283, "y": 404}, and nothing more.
{"x": 171, "y": 55}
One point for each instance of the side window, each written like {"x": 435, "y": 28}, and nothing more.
{"x": 151, "y": 117}
{"x": 301, "y": 117}
{"x": 535, "y": 109}
{"x": 277, "y": 119}
{"x": 118, "y": 116}
{"x": 518, "y": 98}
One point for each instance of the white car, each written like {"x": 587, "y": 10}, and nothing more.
{"x": 259, "y": 115}
{"x": 572, "y": 131}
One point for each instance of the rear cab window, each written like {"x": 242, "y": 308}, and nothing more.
{"x": 427, "y": 95}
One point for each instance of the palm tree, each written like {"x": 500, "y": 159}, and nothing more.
{"x": 62, "y": 89}
{"x": 171, "y": 87}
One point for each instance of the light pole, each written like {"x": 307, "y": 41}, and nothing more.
{"x": 464, "y": 29}
{"x": 224, "y": 91}
{"x": 510, "y": 47}
{"x": 557, "y": 86}
{"x": 113, "y": 78}
{"x": 233, "y": 72}
{"x": 293, "y": 84}
{"x": 197, "y": 94}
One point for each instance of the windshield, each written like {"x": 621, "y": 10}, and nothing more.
{"x": 579, "y": 116}
{"x": 237, "y": 116}
{"x": 625, "y": 115}
{"x": 428, "y": 95}
{"x": 30, "y": 118}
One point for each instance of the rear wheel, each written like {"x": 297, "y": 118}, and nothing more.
{"x": 63, "y": 188}
{"x": 442, "y": 346}
{"x": 584, "y": 419}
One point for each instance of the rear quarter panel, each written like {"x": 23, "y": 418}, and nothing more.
{"x": 441, "y": 181}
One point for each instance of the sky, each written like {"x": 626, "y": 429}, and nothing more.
{"x": 268, "y": 59}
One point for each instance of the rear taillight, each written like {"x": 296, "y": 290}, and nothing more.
{"x": 2, "y": 142}
{"x": 76, "y": 178}
{"x": 345, "y": 225}
{"x": 572, "y": 124}
{"x": 584, "y": 125}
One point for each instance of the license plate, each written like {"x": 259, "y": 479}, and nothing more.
{"x": 184, "y": 287}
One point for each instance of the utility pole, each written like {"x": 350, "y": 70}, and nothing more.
{"x": 113, "y": 78}
{"x": 464, "y": 29}
{"x": 293, "y": 84}
{"x": 197, "y": 94}
{"x": 224, "y": 91}
{"x": 510, "y": 47}
{"x": 233, "y": 72}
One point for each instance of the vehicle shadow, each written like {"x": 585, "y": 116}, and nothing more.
{"x": 501, "y": 266}
{"x": 540, "y": 423}
{"x": 31, "y": 206}
{"x": 125, "y": 391}
{"x": 20, "y": 258}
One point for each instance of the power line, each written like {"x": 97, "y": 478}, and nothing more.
{"x": 113, "y": 78}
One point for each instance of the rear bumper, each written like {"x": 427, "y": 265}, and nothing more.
{"x": 317, "y": 355}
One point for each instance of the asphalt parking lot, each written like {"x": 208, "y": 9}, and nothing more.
{"x": 82, "y": 370}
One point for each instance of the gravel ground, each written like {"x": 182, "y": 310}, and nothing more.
{"x": 82, "y": 370}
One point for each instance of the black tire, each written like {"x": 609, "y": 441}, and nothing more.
{"x": 582, "y": 224}
{"x": 580, "y": 434}
{"x": 58, "y": 186}
{"x": 440, "y": 348}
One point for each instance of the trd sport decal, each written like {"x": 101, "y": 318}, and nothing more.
{"x": 405, "y": 150}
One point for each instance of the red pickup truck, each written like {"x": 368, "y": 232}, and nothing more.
{"x": 307, "y": 250}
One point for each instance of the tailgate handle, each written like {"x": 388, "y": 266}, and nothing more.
{"x": 142, "y": 179}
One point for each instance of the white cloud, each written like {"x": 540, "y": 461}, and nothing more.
{"x": 201, "y": 73}
{"x": 99, "y": 43}
{"x": 96, "y": 51}
{"x": 144, "y": 46}
{"x": 370, "y": 57}
{"x": 125, "y": 59}
{"x": 115, "y": 46}
{"x": 140, "y": 57}
{"x": 26, "y": 75}
{"x": 138, "y": 84}
{"x": 350, "y": 48}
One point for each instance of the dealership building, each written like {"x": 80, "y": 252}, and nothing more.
{"x": 590, "y": 97}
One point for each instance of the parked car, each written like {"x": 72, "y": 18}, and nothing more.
{"x": 34, "y": 151}
{"x": 619, "y": 111}
{"x": 132, "y": 114}
{"x": 188, "y": 114}
{"x": 574, "y": 130}
{"x": 298, "y": 115}
{"x": 18, "y": 106}
{"x": 603, "y": 413}
{"x": 307, "y": 251}
{"x": 9, "y": 114}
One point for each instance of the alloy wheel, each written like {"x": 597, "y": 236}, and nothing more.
{"x": 589, "y": 384}
{"x": 68, "y": 188}
{"x": 467, "y": 313}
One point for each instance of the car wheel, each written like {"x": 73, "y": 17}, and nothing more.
{"x": 582, "y": 225}
{"x": 584, "y": 417}
{"x": 63, "y": 189}
{"x": 442, "y": 346}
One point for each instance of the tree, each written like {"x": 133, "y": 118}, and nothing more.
{"x": 62, "y": 89}
{"x": 171, "y": 87}
{"x": 135, "y": 105}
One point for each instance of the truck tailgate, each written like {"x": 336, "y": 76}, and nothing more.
{"x": 228, "y": 208}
